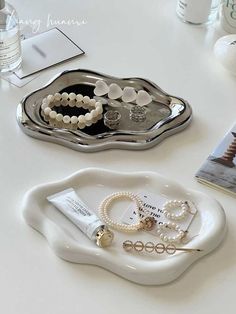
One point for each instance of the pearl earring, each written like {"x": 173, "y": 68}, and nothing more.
{"x": 174, "y": 204}
{"x": 161, "y": 232}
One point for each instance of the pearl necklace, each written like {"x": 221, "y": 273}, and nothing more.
{"x": 72, "y": 100}
{"x": 147, "y": 223}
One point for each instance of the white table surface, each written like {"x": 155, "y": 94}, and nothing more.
{"x": 121, "y": 38}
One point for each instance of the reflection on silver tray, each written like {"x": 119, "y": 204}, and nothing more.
{"x": 165, "y": 115}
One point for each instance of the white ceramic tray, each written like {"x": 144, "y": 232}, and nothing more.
{"x": 92, "y": 185}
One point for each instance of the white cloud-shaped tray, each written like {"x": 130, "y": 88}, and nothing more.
{"x": 92, "y": 185}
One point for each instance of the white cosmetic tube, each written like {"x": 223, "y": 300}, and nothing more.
{"x": 69, "y": 203}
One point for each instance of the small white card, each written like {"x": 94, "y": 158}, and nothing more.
{"x": 44, "y": 50}
{"x": 40, "y": 52}
{"x": 153, "y": 203}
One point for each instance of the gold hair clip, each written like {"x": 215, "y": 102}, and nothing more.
{"x": 159, "y": 248}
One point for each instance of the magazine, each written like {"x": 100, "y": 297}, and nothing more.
{"x": 219, "y": 170}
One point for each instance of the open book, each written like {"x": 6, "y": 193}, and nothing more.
{"x": 219, "y": 170}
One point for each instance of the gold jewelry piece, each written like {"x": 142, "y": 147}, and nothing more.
{"x": 104, "y": 237}
{"x": 159, "y": 248}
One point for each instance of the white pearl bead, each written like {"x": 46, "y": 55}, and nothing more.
{"x": 79, "y": 97}
{"x": 57, "y": 96}
{"x": 64, "y": 103}
{"x": 52, "y": 114}
{"x": 99, "y": 110}
{"x": 89, "y": 123}
{"x": 74, "y": 119}
{"x": 94, "y": 113}
{"x": 86, "y": 100}
{"x": 72, "y": 96}
{"x": 92, "y": 102}
{"x": 59, "y": 117}
{"x": 71, "y": 103}
{"x": 81, "y": 119}
{"x": 79, "y": 104}
{"x": 64, "y": 96}
{"x": 81, "y": 125}
{"x": 50, "y": 98}
{"x": 66, "y": 119}
{"x": 57, "y": 104}
{"x": 165, "y": 238}
{"x": 45, "y": 101}
{"x": 88, "y": 116}
{"x": 47, "y": 111}
{"x": 44, "y": 105}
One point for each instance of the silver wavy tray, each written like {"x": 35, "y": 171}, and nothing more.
{"x": 166, "y": 115}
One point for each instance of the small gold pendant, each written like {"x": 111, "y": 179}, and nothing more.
{"x": 148, "y": 223}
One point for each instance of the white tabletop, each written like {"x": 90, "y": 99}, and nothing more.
{"x": 120, "y": 38}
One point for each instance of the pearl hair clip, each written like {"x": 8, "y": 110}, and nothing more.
{"x": 95, "y": 108}
{"x": 147, "y": 223}
{"x": 159, "y": 248}
{"x": 128, "y": 94}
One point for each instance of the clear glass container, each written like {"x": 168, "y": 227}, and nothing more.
{"x": 228, "y": 16}
{"x": 197, "y": 12}
{"x": 10, "y": 44}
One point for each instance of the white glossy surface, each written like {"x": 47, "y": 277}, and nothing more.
{"x": 151, "y": 42}
{"x": 206, "y": 231}
{"x": 225, "y": 52}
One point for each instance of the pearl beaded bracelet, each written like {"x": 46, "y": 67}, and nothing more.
{"x": 72, "y": 100}
{"x": 147, "y": 223}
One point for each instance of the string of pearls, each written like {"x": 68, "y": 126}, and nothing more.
{"x": 95, "y": 108}
{"x": 105, "y": 206}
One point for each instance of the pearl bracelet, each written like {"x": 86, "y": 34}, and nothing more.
{"x": 147, "y": 223}
{"x": 72, "y": 100}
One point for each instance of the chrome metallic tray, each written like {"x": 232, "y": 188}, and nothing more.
{"x": 165, "y": 115}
